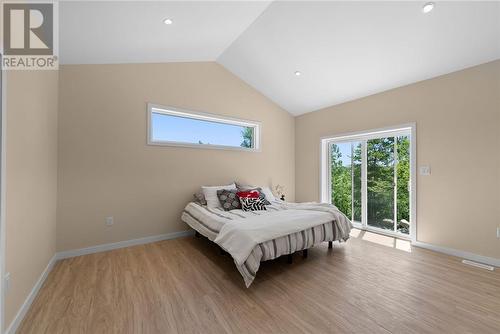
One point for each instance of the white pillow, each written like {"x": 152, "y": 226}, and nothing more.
{"x": 211, "y": 194}
{"x": 269, "y": 194}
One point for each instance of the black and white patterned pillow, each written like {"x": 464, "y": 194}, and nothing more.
{"x": 228, "y": 199}
{"x": 252, "y": 204}
{"x": 263, "y": 197}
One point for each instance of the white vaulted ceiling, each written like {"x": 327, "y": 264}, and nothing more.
{"x": 97, "y": 32}
{"x": 344, "y": 50}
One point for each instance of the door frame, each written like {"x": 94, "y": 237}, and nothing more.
{"x": 3, "y": 117}
{"x": 325, "y": 172}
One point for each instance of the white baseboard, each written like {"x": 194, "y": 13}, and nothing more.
{"x": 458, "y": 253}
{"x": 122, "y": 244}
{"x": 77, "y": 252}
{"x": 29, "y": 300}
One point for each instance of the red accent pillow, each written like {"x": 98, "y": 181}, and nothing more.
{"x": 248, "y": 194}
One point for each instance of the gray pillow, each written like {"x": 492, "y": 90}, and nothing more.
{"x": 242, "y": 187}
{"x": 228, "y": 199}
{"x": 200, "y": 198}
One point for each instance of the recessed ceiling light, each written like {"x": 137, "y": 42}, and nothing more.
{"x": 428, "y": 7}
{"x": 297, "y": 73}
{"x": 168, "y": 21}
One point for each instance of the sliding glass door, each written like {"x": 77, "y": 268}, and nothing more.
{"x": 369, "y": 179}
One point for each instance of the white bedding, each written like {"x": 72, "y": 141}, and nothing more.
{"x": 209, "y": 221}
{"x": 269, "y": 231}
{"x": 239, "y": 237}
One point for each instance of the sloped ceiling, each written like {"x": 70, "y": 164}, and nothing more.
{"x": 107, "y": 32}
{"x": 344, "y": 50}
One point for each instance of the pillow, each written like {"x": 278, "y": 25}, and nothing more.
{"x": 262, "y": 196}
{"x": 246, "y": 193}
{"x": 244, "y": 186}
{"x": 210, "y": 194}
{"x": 199, "y": 198}
{"x": 228, "y": 199}
{"x": 268, "y": 193}
{"x": 252, "y": 204}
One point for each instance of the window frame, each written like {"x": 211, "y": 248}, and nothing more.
{"x": 325, "y": 171}
{"x": 203, "y": 116}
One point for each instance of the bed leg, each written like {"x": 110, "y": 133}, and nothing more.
{"x": 330, "y": 244}
{"x": 304, "y": 253}
{"x": 289, "y": 259}
{"x": 197, "y": 234}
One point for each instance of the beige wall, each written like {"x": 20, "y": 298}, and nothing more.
{"x": 31, "y": 176}
{"x": 106, "y": 168}
{"x": 458, "y": 134}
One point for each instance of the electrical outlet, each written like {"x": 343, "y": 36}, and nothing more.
{"x": 7, "y": 282}
{"x": 109, "y": 221}
{"x": 498, "y": 232}
{"x": 425, "y": 170}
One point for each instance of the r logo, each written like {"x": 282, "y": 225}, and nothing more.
{"x": 28, "y": 28}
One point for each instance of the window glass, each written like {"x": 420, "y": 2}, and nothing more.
{"x": 184, "y": 128}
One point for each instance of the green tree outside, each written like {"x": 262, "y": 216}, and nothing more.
{"x": 247, "y": 134}
{"x": 382, "y": 155}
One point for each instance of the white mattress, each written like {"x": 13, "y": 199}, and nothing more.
{"x": 209, "y": 221}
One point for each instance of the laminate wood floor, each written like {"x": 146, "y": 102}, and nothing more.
{"x": 186, "y": 286}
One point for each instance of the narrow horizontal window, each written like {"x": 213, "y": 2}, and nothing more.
{"x": 175, "y": 127}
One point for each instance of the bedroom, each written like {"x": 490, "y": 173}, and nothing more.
{"x": 390, "y": 111}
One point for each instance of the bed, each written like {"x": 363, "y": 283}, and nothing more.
{"x": 254, "y": 236}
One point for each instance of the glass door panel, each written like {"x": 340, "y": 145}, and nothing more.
{"x": 403, "y": 184}
{"x": 345, "y": 160}
{"x": 380, "y": 182}
{"x": 356, "y": 182}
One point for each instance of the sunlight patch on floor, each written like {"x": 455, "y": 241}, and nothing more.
{"x": 379, "y": 239}
{"x": 404, "y": 245}
{"x": 355, "y": 233}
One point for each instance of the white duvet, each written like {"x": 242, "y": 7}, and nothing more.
{"x": 239, "y": 237}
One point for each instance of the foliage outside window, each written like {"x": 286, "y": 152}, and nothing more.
{"x": 387, "y": 180}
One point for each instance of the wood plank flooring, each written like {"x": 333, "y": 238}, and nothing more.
{"x": 186, "y": 286}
